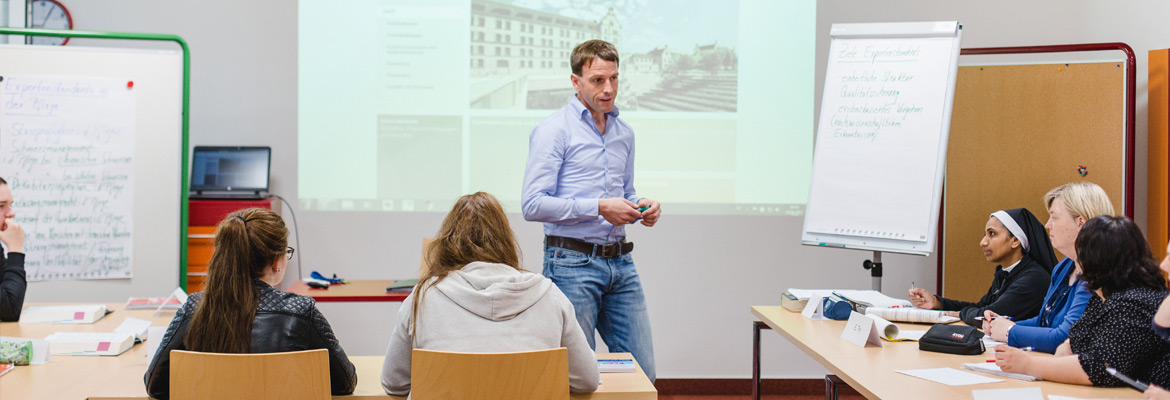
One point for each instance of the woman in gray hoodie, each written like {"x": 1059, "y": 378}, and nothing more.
{"x": 474, "y": 297}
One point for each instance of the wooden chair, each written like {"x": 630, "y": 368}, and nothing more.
{"x": 285, "y": 376}
{"x": 542, "y": 374}
{"x": 422, "y": 267}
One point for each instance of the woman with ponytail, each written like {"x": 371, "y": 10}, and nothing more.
{"x": 242, "y": 311}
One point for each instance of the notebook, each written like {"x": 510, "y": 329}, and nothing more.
{"x": 89, "y": 343}
{"x": 70, "y": 314}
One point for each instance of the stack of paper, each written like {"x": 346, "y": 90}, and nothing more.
{"x": 993, "y": 368}
{"x": 949, "y": 376}
{"x": 89, "y": 343}
{"x": 872, "y": 298}
{"x": 989, "y": 343}
{"x": 911, "y": 315}
{"x": 1032, "y": 393}
{"x": 152, "y": 303}
{"x": 71, "y": 314}
{"x": 134, "y": 326}
{"x": 805, "y": 294}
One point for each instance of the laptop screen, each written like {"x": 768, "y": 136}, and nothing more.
{"x": 230, "y": 169}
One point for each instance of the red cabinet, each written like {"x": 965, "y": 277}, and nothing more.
{"x": 202, "y": 217}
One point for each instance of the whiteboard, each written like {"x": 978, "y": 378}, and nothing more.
{"x": 880, "y": 153}
{"x": 91, "y": 145}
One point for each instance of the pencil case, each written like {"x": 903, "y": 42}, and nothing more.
{"x": 952, "y": 339}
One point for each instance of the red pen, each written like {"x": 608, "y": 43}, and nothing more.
{"x": 992, "y": 360}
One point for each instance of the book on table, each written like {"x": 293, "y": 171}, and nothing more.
{"x": 68, "y": 314}
{"x": 136, "y": 327}
{"x": 151, "y": 303}
{"x": 917, "y": 315}
{"x": 89, "y": 343}
{"x": 402, "y": 286}
{"x": 863, "y": 299}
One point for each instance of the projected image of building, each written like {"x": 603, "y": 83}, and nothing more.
{"x": 516, "y": 50}
{"x": 520, "y": 60}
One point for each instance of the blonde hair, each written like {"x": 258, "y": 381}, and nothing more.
{"x": 476, "y": 229}
{"x": 1082, "y": 199}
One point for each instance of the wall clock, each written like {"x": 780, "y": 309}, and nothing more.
{"x": 50, "y": 14}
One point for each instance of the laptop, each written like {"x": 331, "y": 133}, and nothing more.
{"x": 230, "y": 172}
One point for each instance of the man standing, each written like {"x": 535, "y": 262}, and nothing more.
{"x": 12, "y": 281}
{"x": 579, "y": 181}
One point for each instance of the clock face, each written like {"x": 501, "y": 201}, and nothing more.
{"x": 50, "y": 14}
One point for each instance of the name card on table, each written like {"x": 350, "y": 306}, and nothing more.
{"x": 860, "y": 330}
{"x": 814, "y": 310}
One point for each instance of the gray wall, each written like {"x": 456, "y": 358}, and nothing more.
{"x": 701, "y": 274}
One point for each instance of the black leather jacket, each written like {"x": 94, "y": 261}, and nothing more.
{"x": 284, "y": 322}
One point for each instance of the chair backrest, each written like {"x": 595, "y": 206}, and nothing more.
{"x": 291, "y": 375}
{"x": 422, "y": 268}
{"x": 542, "y": 374}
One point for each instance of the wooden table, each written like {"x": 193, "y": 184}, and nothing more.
{"x": 121, "y": 377}
{"x": 356, "y": 290}
{"x": 870, "y": 370}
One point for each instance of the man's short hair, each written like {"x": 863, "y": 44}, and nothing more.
{"x": 3, "y": 182}
{"x": 584, "y": 54}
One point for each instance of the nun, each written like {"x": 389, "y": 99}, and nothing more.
{"x": 1017, "y": 244}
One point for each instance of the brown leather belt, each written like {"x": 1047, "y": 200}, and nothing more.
{"x": 599, "y": 250}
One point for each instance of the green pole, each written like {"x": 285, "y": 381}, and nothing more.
{"x": 186, "y": 110}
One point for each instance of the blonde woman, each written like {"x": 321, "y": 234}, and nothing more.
{"x": 475, "y": 298}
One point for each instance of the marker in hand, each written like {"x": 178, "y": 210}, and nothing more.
{"x": 640, "y": 209}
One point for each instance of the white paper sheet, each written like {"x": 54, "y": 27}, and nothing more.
{"x": 994, "y": 369}
{"x": 69, "y": 143}
{"x": 805, "y": 294}
{"x": 1032, "y": 393}
{"x": 154, "y": 336}
{"x": 1059, "y": 397}
{"x": 949, "y": 376}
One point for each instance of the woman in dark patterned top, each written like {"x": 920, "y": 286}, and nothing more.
{"x": 1162, "y": 328}
{"x": 242, "y": 311}
{"x": 1115, "y": 330}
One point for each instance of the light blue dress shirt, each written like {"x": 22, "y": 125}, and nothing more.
{"x": 570, "y": 166}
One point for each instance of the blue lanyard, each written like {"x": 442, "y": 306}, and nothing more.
{"x": 1054, "y": 303}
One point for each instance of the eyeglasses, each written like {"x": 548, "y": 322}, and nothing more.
{"x": 290, "y": 252}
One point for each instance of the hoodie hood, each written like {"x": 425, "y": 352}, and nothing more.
{"x": 492, "y": 291}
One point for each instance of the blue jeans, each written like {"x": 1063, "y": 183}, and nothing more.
{"x": 607, "y": 295}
